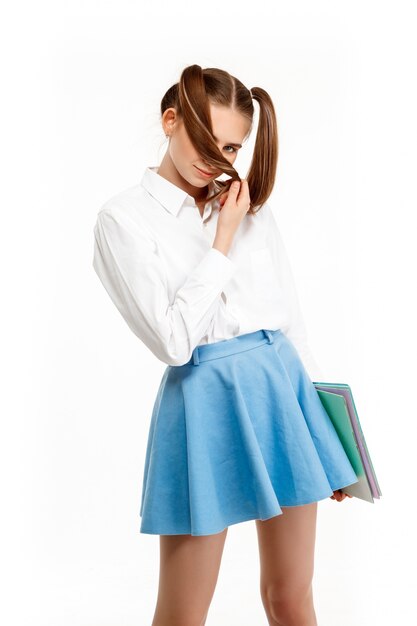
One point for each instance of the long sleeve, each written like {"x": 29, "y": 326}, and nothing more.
{"x": 127, "y": 263}
{"x": 296, "y": 330}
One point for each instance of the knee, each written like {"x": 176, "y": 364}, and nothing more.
{"x": 288, "y": 605}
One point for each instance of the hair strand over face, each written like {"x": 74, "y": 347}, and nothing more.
{"x": 191, "y": 97}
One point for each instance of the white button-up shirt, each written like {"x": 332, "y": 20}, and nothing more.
{"x": 153, "y": 253}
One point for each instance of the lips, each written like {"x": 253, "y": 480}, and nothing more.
{"x": 204, "y": 171}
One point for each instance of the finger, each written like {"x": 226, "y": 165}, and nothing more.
{"x": 234, "y": 187}
{"x": 223, "y": 197}
{"x": 233, "y": 192}
{"x": 244, "y": 188}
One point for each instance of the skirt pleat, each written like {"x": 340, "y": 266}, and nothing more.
{"x": 236, "y": 437}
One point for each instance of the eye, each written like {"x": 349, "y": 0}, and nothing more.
{"x": 234, "y": 149}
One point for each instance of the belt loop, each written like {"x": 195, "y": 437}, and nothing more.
{"x": 196, "y": 360}
{"x": 268, "y": 335}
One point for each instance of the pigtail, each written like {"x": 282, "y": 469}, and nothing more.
{"x": 262, "y": 170}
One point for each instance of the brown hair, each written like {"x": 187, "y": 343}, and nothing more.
{"x": 191, "y": 96}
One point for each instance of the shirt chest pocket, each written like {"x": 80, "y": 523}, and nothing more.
{"x": 263, "y": 271}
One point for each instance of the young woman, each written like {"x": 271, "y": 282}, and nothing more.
{"x": 197, "y": 268}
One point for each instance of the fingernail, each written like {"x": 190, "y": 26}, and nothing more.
{"x": 236, "y": 184}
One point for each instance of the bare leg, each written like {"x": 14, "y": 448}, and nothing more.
{"x": 189, "y": 568}
{"x": 286, "y": 550}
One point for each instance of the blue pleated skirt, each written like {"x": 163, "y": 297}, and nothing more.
{"x": 237, "y": 433}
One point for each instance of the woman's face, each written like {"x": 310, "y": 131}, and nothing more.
{"x": 229, "y": 128}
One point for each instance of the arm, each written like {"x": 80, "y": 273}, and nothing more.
{"x": 296, "y": 328}
{"x": 127, "y": 264}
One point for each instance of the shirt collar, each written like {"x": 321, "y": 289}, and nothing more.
{"x": 166, "y": 193}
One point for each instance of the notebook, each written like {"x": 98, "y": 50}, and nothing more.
{"x": 337, "y": 400}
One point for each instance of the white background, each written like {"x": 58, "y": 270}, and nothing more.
{"x": 82, "y": 82}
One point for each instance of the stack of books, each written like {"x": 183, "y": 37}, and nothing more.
{"x": 338, "y": 402}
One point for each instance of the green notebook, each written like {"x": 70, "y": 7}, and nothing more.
{"x": 337, "y": 400}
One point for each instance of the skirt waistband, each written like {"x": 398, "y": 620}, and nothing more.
{"x": 225, "y": 347}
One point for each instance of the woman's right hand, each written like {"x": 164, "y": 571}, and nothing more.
{"x": 234, "y": 205}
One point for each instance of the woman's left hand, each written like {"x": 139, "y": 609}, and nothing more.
{"x": 339, "y": 495}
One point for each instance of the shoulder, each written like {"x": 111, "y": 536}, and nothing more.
{"x": 264, "y": 212}
{"x": 127, "y": 208}
{"x": 121, "y": 222}
{"x": 265, "y": 217}
{"x": 127, "y": 202}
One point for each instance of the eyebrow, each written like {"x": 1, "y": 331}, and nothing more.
{"x": 229, "y": 143}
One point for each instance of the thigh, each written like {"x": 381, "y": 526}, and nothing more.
{"x": 189, "y": 568}
{"x": 286, "y": 550}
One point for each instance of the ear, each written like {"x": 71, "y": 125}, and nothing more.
{"x": 169, "y": 120}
